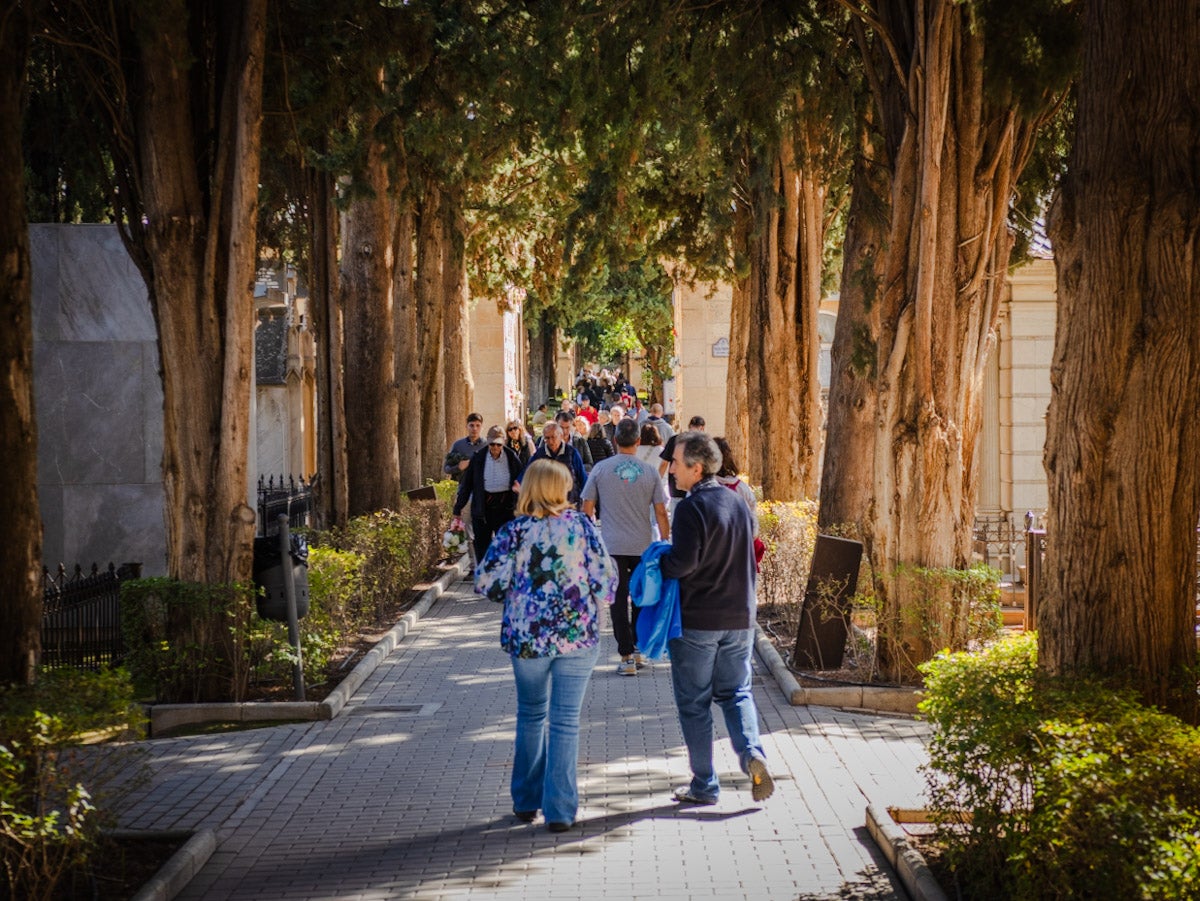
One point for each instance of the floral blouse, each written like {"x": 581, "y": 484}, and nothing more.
{"x": 550, "y": 574}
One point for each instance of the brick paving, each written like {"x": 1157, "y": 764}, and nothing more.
{"x": 405, "y": 795}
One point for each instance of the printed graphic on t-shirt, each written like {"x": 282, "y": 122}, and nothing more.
{"x": 628, "y": 471}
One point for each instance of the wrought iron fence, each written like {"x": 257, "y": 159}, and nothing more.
{"x": 1035, "y": 555}
{"x": 291, "y": 497}
{"x": 81, "y": 616}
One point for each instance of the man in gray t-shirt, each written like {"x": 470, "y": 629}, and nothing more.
{"x": 626, "y": 490}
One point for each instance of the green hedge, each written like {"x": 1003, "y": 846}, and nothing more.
{"x": 189, "y": 642}
{"x": 1045, "y": 788}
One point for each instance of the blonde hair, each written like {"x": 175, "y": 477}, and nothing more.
{"x": 544, "y": 489}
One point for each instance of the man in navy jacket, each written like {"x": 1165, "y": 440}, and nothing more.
{"x": 489, "y": 482}
{"x": 712, "y": 556}
{"x": 557, "y": 446}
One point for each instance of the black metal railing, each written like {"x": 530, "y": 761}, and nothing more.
{"x": 290, "y": 496}
{"x": 81, "y": 616}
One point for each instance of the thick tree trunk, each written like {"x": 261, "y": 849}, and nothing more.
{"x": 460, "y": 384}
{"x": 1123, "y": 434}
{"x": 332, "y": 488}
{"x": 785, "y": 293}
{"x": 541, "y": 362}
{"x": 408, "y": 361}
{"x": 21, "y": 524}
{"x": 371, "y": 397}
{"x": 948, "y": 248}
{"x": 200, "y": 243}
{"x": 737, "y": 406}
{"x": 431, "y": 312}
{"x": 847, "y": 475}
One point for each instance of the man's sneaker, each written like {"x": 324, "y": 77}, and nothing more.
{"x": 685, "y": 795}
{"x": 627, "y": 667}
{"x": 762, "y": 786}
{"x": 640, "y": 660}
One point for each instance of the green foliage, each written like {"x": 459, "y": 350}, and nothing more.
{"x": 1045, "y": 788}
{"x": 953, "y": 607}
{"x": 187, "y": 640}
{"x": 48, "y": 823}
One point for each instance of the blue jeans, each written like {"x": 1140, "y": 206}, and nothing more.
{"x": 706, "y": 667}
{"x": 549, "y": 688}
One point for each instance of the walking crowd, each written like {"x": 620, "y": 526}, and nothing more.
{"x": 613, "y": 507}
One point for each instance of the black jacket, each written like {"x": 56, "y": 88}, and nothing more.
{"x": 712, "y": 556}
{"x": 471, "y": 485}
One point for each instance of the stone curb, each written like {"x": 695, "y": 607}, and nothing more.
{"x": 178, "y": 871}
{"x": 169, "y": 716}
{"x": 905, "y": 859}
{"x": 868, "y": 698}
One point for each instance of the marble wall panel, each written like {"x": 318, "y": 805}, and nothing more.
{"x": 50, "y": 500}
{"x": 152, "y": 414}
{"x": 43, "y": 256}
{"x": 117, "y": 523}
{"x": 271, "y": 427}
{"x": 101, "y": 294}
{"x": 91, "y": 412}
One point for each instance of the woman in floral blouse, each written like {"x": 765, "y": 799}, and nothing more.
{"x": 551, "y": 571}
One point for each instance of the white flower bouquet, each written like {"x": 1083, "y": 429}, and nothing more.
{"x": 454, "y": 540}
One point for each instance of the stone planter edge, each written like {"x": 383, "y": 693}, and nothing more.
{"x": 868, "y": 698}
{"x": 906, "y": 860}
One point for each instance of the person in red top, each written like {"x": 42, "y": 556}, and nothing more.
{"x": 587, "y": 411}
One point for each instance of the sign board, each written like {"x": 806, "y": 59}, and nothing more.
{"x": 721, "y": 347}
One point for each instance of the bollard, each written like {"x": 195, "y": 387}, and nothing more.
{"x": 289, "y": 590}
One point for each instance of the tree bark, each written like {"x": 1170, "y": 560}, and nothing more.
{"x": 952, "y": 180}
{"x": 541, "y": 362}
{"x": 460, "y": 384}
{"x": 21, "y": 524}
{"x": 1123, "y": 434}
{"x": 431, "y": 314}
{"x": 408, "y": 361}
{"x": 371, "y": 397}
{"x": 737, "y": 405}
{"x": 332, "y": 488}
{"x": 784, "y": 427}
{"x": 199, "y": 242}
{"x": 847, "y": 475}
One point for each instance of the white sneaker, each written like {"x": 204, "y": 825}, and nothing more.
{"x": 640, "y": 660}
{"x": 627, "y": 667}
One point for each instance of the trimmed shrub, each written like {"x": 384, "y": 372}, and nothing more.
{"x": 1047, "y": 788}
{"x": 203, "y": 643}
{"x": 48, "y": 823}
{"x": 191, "y": 642}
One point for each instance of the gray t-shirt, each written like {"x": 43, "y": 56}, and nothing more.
{"x": 625, "y": 488}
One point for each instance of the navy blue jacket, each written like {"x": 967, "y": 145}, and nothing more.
{"x": 471, "y": 485}
{"x": 712, "y": 556}
{"x": 569, "y": 457}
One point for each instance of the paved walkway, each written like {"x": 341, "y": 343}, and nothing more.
{"x": 405, "y": 795}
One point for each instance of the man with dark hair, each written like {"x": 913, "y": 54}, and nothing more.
{"x": 712, "y": 556}
{"x": 489, "y": 483}
{"x": 695, "y": 424}
{"x": 627, "y": 490}
{"x": 458, "y": 458}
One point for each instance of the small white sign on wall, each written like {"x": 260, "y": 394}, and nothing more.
{"x": 721, "y": 347}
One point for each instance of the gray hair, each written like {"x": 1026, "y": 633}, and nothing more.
{"x": 700, "y": 448}
{"x": 551, "y": 428}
